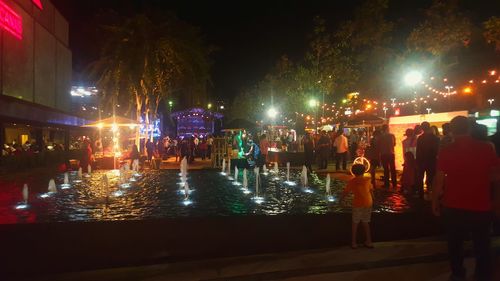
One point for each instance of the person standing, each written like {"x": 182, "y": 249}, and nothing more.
{"x": 361, "y": 204}
{"x": 462, "y": 196}
{"x": 308, "y": 144}
{"x": 264, "y": 148}
{"x": 150, "y": 147}
{"x": 210, "y": 142}
{"x": 387, "y": 141}
{"x": 447, "y": 139}
{"x": 323, "y": 148}
{"x": 427, "y": 150}
{"x": 342, "y": 149}
{"x": 373, "y": 155}
{"x": 410, "y": 143}
{"x": 495, "y": 138}
{"x": 353, "y": 144}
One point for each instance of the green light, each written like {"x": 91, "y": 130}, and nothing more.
{"x": 209, "y": 106}
{"x": 494, "y": 113}
{"x": 344, "y": 101}
{"x": 313, "y": 103}
{"x": 170, "y": 103}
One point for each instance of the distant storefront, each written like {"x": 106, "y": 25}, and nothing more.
{"x": 35, "y": 74}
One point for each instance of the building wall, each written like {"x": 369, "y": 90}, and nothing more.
{"x": 37, "y": 68}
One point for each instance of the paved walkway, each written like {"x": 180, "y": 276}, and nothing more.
{"x": 422, "y": 260}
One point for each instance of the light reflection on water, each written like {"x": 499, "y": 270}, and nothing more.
{"x": 156, "y": 194}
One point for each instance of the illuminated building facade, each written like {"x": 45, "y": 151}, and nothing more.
{"x": 35, "y": 72}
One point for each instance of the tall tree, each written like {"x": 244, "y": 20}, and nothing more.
{"x": 444, "y": 29}
{"x": 492, "y": 32}
{"x": 145, "y": 62}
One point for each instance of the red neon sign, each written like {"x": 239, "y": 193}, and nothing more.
{"x": 11, "y": 21}
{"x": 38, "y": 3}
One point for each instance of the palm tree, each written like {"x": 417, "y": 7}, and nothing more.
{"x": 146, "y": 62}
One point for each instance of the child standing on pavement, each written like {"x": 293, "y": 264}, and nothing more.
{"x": 362, "y": 202}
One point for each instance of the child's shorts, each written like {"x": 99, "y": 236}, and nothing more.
{"x": 361, "y": 214}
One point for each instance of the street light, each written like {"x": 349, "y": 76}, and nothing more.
{"x": 428, "y": 110}
{"x": 314, "y": 104}
{"x": 491, "y": 101}
{"x": 209, "y": 105}
{"x": 272, "y": 112}
{"x": 385, "y": 111}
{"x": 449, "y": 95}
{"x": 411, "y": 79}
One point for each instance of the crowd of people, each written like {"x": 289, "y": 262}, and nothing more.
{"x": 461, "y": 169}
{"x": 189, "y": 147}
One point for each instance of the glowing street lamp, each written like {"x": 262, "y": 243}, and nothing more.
{"x": 412, "y": 78}
{"x": 209, "y": 105}
{"x": 313, "y": 103}
{"x": 272, "y": 112}
{"x": 491, "y": 101}
{"x": 428, "y": 110}
{"x": 385, "y": 111}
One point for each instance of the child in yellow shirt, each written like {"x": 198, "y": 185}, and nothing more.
{"x": 362, "y": 203}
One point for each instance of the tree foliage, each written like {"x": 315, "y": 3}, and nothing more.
{"x": 143, "y": 62}
{"x": 445, "y": 28}
{"x": 492, "y": 32}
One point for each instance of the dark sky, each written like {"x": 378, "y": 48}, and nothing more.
{"x": 250, "y": 35}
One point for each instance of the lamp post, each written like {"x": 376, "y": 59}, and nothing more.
{"x": 411, "y": 79}
{"x": 314, "y": 104}
{"x": 385, "y": 111}
{"x": 449, "y": 95}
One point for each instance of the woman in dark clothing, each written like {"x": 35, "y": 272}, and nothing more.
{"x": 308, "y": 143}
{"x": 373, "y": 155}
{"x": 134, "y": 154}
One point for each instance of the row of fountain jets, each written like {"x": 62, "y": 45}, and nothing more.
{"x": 124, "y": 182}
{"x": 259, "y": 199}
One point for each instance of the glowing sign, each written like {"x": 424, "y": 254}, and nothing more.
{"x": 11, "y": 21}
{"x": 38, "y": 3}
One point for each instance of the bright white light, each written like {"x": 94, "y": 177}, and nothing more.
{"x": 308, "y": 190}
{"x": 118, "y": 193}
{"x": 258, "y": 199}
{"x": 246, "y": 191}
{"x": 187, "y": 202}
{"x": 313, "y": 103}
{"x": 222, "y": 173}
{"x": 230, "y": 178}
{"x": 330, "y": 198}
{"x": 125, "y": 185}
{"x": 290, "y": 183}
{"x": 65, "y": 186}
{"x": 132, "y": 179}
{"x": 77, "y": 181}
{"x": 21, "y": 206}
{"x": 45, "y": 195}
{"x": 137, "y": 175}
{"x": 272, "y": 112}
{"x": 413, "y": 78}
{"x": 236, "y": 183}
{"x": 277, "y": 178}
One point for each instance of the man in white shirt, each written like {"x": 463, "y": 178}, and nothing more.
{"x": 210, "y": 142}
{"x": 342, "y": 147}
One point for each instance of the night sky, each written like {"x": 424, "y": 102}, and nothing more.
{"x": 250, "y": 36}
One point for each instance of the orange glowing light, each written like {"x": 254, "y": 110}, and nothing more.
{"x": 467, "y": 90}
{"x": 492, "y": 72}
